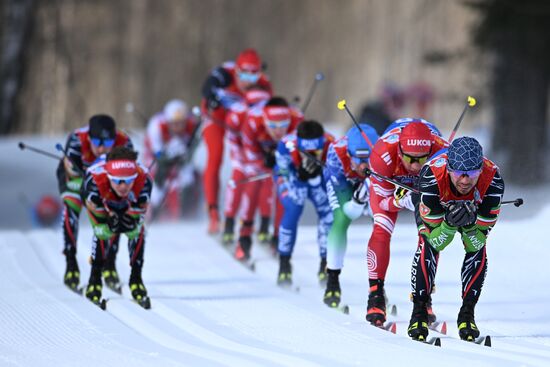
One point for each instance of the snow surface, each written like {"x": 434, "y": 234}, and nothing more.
{"x": 208, "y": 310}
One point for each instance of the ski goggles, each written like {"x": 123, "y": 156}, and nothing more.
{"x": 122, "y": 180}
{"x": 411, "y": 159}
{"x": 277, "y": 124}
{"x": 107, "y": 143}
{"x": 473, "y": 173}
{"x": 248, "y": 76}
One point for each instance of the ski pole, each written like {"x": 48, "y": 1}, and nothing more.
{"x": 470, "y": 102}
{"x": 232, "y": 183}
{"x": 23, "y": 146}
{"x": 517, "y": 203}
{"x": 343, "y": 106}
{"x": 318, "y": 78}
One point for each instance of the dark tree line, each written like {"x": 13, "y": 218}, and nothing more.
{"x": 517, "y": 33}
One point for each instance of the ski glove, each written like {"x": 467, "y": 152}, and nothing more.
{"x": 113, "y": 221}
{"x": 403, "y": 198}
{"x": 117, "y": 207}
{"x": 460, "y": 214}
{"x": 361, "y": 193}
{"x": 309, "y": 168}
{"x": 128, "y": 223}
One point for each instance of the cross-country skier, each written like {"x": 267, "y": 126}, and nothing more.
{"x": 348, "y": 189}
{"x": 264, "y": 128}
{"x": 299, "y": 173}
{"x": 460, "y": 191}
{"x": 117, "y": 193}
{"x": 83, "y": 147}
{"x": 235, "y": 120}
{"x": 169, "y": 136}
{"x": 399, "y": 154}
{"x": 225, "y": 85}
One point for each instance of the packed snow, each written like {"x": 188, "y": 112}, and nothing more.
{"x": 209, "y": 310}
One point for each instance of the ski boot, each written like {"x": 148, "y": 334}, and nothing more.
{"x": 242, "y": 250}
{"x": 418, "y": 326}
{"x": 263, "y": 233}
{"x": 285, "y": 271}
{"x": 228, "y": 232}
{"x": 332, "y": 293}
{"x": 139, "y": 292}
{"x": 322, "y": 273}
{"x": 110, "y": 275}
{"x": 94, "y": 288}
{"x": 467, "y": 328}
{"x": 214, "y": 220}
{"x": 376, "y": 305}
{"x": 72, "y": 273}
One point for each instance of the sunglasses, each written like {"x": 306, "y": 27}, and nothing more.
{"x": 121, "y": 180}
{"x": 277, "y": 124}
{"x": 107, "y": 143}
{"x": 248, "y": 76}
{"x": 474, "y": 173}
{"x": 410, "y": 159}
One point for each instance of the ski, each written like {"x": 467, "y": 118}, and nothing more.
{"x": 389, "y": 326}
{"x": 250, "y": 264}
{"x": 145, "y": 302}
{"x": 438, "y": 327}
{"x": 441, "y": 328}
{"x": 344, "y": 309}
{"x": 484, "y": 340}
{"x": 115, "y": 287}
{"x": 77, "y": 290}
{"x": 101, "y": 304}
{"x": 289, "y": 287}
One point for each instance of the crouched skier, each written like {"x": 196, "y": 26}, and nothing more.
{"x": 299, "y": 173}
{"x": 460, "y": 191}
{"x": 117, "y": 193}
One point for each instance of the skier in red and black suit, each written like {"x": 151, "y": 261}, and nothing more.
{"x": 117, "y": 193}
{"x": 235, "y": 120}
{"x": 399, "y": 154}
{"x": 264, "y": 128}
{"x": 83, "y": 147}
{"x": 224, "y": 86}
{"x": 460, "y": 191}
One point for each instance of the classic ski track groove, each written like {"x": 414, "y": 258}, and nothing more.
{"x": 137, "y": 318}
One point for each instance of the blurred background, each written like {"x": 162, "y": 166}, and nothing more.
{"x": 62, "y": 61}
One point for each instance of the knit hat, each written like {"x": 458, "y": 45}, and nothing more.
{"x": 465, "y": 154}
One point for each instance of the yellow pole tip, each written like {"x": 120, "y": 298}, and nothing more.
{"x": 471, "y": 101}
{"x": 342, "y": 104}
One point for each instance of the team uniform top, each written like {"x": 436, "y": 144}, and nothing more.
{"x": 437, "y": 193}
{"x": 385, "y": 161}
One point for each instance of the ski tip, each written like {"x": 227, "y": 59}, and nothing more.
{"x": 345, "y": 309}
{"x": 393, "y": 310}
{"x": 437, "y": 342}
{"x": 487, "y": 341}
{"x": 103, "y": 304}
{"x": 444, "y": 328}
{"x": 393, "y": 328}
